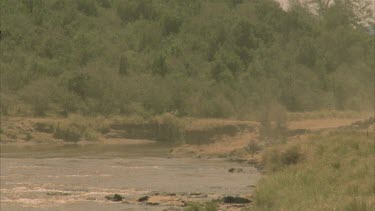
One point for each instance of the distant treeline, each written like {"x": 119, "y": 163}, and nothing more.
{"x": 201, "y": 58}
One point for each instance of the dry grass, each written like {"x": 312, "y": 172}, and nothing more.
{"x": 329, "y": 114}
{"x": 317, "y": 124}
{"x": 336, "y": 174}
{"x": 224, "y": 146}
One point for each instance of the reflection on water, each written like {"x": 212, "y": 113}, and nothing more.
{"x": 77, "y": 177}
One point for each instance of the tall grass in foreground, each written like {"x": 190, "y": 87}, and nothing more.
{"x": 337, "y": 173}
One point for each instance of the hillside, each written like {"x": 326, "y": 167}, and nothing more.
{"x": 199, "y": 58}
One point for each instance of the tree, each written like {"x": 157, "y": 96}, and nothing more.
{"x": 159, "y": 66}
{"x": 123, "y": 69}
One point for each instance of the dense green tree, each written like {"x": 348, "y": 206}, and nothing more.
{"x": 203, "y": 58}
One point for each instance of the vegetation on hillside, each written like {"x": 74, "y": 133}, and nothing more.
{"x": 200, "y": 58}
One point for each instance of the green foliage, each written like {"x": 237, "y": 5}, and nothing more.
{"x": 159, "y": 66}
{"x": 291, "y": 156}
{"x": 197, "y": 58}
{"x": 39, "y": 95}
{"x": 131, "y": 10}
{"x": 87, "y": 7}
{"x": 105, "y": 3}
{"x": 169, "y": 129}
{"x": 77, "y": 128}
{"x": 69, "y": 133}
{"x": 123, "y": 69}
{"x": 276, "y": 160}
{"x": 171, "y": 24}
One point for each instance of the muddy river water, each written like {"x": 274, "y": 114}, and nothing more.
{"x": 78, "y": 177}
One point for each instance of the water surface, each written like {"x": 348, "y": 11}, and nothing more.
{"x": 78, "y": 177}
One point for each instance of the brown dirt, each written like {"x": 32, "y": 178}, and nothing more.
{"x": 318, "y": 124}
{"x": 205, "y": 124}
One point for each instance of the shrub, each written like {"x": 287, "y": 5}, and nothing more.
{"x": 292, "y": 155}
{"x": 276, "y": 159}
{"x": 105, "y": 3}
{"x": 87, "y": 7}
{"x": 123, "y": 69}
{"x": 38, "y": 94}
{"x": 71, "y": 132}
{"x": 45, "y": 127}
{"x": 171, "y": 24}
{"x": 169, "y": 129}
{"x": 159, "y": 66}
{"x": 77, "y": 128}
{"x": 132, "y": 10}
{"x": 253, "y": 147}
{"x": 5, "y": 105}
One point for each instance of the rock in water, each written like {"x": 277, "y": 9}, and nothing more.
{"x": 115, "y": 197}
{"x": 234, "y": 170}
{"x": 142, "y": 199}
{"x": 235, "y": 200}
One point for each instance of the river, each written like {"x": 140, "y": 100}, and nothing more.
{"x": 78, "y": 177}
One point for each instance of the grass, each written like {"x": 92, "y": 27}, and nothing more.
{"x": 327, "y": 114}
{"x": 208, "y": 206}
{"x": 337, "y": 173}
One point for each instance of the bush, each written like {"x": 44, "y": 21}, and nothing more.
{"x": 276, "y": 159}
{"x": 45, "y": 127}
{"x": 105, "y": 3}
{"x": 71, "y": 132}
{"x": 292, "y": 155}
{"x": 39, "y": 95}
{"x": 132, "y": 10}
{"x": 169, "y": 129}
{"x": 171, "y": 24}
{"x": 253, "y": 147}
{"x": 78, "y": 128}
{"x": 87, "y": 7}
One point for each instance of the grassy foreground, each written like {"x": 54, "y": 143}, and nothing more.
{"x": 335, "y": 172}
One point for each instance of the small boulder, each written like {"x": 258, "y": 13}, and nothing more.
{"x": 115, "y": 197}
{"x": 231, "y": 170}
{"x": 235, "y": 200}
